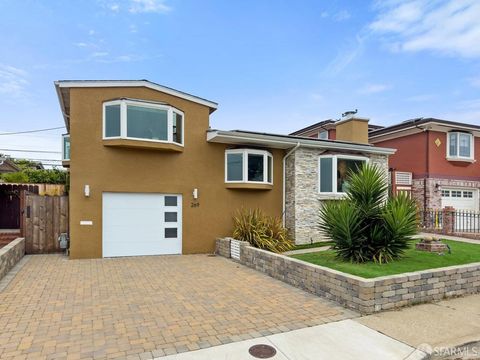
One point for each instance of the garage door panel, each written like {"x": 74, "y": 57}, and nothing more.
{"x": 134, "y": 224}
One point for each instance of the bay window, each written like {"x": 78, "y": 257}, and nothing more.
{"x": 334, "y": 171}
{"x": 459, "y": 146}
{"x": 248, "y": 166}
{"x": 146, "y": 121}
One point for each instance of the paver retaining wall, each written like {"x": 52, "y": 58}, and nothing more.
{"x": 364, "y": 295}
{"x": 10, "y": 255}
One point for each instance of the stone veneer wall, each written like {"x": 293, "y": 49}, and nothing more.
{"x": 10, "y": 255}
{"x": 222, "y": 247}
{"x": 302, "y": 199}
{"x": 364, "y": 295}
{"x": 434, "y": 194}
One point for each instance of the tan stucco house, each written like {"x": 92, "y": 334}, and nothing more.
{"x": 148, "y": 175}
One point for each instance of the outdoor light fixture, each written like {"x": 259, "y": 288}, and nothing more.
{"x": 195, "y": 194}
{"x": 87, "y": 190}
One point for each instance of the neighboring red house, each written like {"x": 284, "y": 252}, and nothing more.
{"x": 442, "y": 157}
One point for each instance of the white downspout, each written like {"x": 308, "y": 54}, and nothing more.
{"x": 284, "y": 185}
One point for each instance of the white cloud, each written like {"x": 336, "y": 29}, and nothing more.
{"x": 98, "y": 54}
{"x": 420, "y": 98}
{"x": 448, "y": 27}
{"x": 374, "y": 89}
{"x": 149, "y": 6}
{"x": 466, "y": 111}
{"x": 345, "y": 57}
{"x": 475, "y": 81}
{"x": 13, "y": 81}
{"x": 342, "y": 15}
{"x": 114, "y": 7}
{"x": 91, "y": 32}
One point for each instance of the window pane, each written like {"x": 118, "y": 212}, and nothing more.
{"x": 170, "y": 233}
{"x": 464, "y": 148}
{"x": 326, "y": 175}
{"x": 344, "y": 166}
{"x": 147, "y": 123}
{"x": 269, "y": 168}
{"x": 170, "y": 217}
{"x": 170, "y": 201}
{"x": 323, "y": 135}
{"x": 112, "y": 120}
{"x": 234, "y": 167}
{"x": 177, "y": 128}
{"x": 66, "y": 147}
{"x": 255, "y": 167}
{"x": 453, "y": 144}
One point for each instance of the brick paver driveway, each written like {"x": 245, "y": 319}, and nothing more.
{"x": 145, "y": 307}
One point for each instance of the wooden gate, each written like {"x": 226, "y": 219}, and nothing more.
{"x": 45, "y": 218}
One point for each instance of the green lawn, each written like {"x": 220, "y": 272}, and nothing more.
{"x": 414, "y": 260}
{"x": 313, "y": 245}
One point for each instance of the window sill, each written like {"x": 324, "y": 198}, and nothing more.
{"x": 249, "y": 186}
{"x": 140, "y": 144}
{"x": 331, "y": 196}
{"x": 66, "y": 163}
{"x": 461, "y": 159}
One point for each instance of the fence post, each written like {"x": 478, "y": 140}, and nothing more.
{"x": 448, "y": 220}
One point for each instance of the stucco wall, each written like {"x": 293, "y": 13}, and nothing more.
{"x": 114, "y": 169}
{"x": 303, "y": 199}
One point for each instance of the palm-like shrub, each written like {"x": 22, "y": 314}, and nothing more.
{"x": 366, "y": 226}
{"x": 261, "y": 231}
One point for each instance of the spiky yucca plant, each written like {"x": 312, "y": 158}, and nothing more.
{"x": 261, "y": 231}
{"x": 367, "y": 226}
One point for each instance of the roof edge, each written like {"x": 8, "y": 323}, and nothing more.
{"x": 136, "y": 83}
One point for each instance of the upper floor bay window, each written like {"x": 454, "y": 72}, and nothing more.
{"x": 334, "y": 171}
{"x": 138, "y": 120}
{"x": 460, "y": 146}
{"x": 248, "y": 166}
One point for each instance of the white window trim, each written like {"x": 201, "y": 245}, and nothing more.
{"x": 63, "y": 147}
{"x": 334, "y": 172}
{"x": 245, "y": 153}
{"x": 458, "y": 157}
{"x": 123, "y": 121}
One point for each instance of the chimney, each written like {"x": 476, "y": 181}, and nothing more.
{"x": 352, "y": 128}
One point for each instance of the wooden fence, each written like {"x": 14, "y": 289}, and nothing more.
{"x": 45, "y": 218}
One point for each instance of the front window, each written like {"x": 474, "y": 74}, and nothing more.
{"x": 134, "y": 119}
{"x": 460, "y": 145}
{"x": 248, "y": 166}
{"x": 334, "y": 172}
{"x": 66, "y": 147}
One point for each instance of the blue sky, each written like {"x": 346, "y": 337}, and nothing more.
{"x": 272, "y": 66}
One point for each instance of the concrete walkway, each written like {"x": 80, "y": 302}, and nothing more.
{"x": 342, "y": 340}
{"x": 306, "y": 251}
{"x": 448, "y": 237}
{"x": 445, "y": 324}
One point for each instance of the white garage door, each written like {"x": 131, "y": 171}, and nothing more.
{"x": 141, "y": 224}
{"x": 460, "y": 199}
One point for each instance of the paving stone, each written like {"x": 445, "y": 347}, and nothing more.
{"x": 141, "y": 307}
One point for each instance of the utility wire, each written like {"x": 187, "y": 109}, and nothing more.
{"x": 32, "y": 131}
{"x": 33, "y": 151}
{"x": 28, "y": 159}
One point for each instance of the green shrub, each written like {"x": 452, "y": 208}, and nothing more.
{"x": 366, "y": 226}
{"x": 15, "y": 177}
{"x": 261, "y": 231}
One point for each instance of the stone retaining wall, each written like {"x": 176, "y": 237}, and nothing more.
{"x": 364, "y": 295}
{"x": 10, "y": 255}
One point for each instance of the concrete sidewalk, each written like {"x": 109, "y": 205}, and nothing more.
{"x": 342, "y": 340}
{"x": 445, "y": 324}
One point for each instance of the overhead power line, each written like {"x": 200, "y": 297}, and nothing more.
{"x": 32, "y": 131}
{"x": 33, "y": 151}
{"x": 31, "y": 159}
